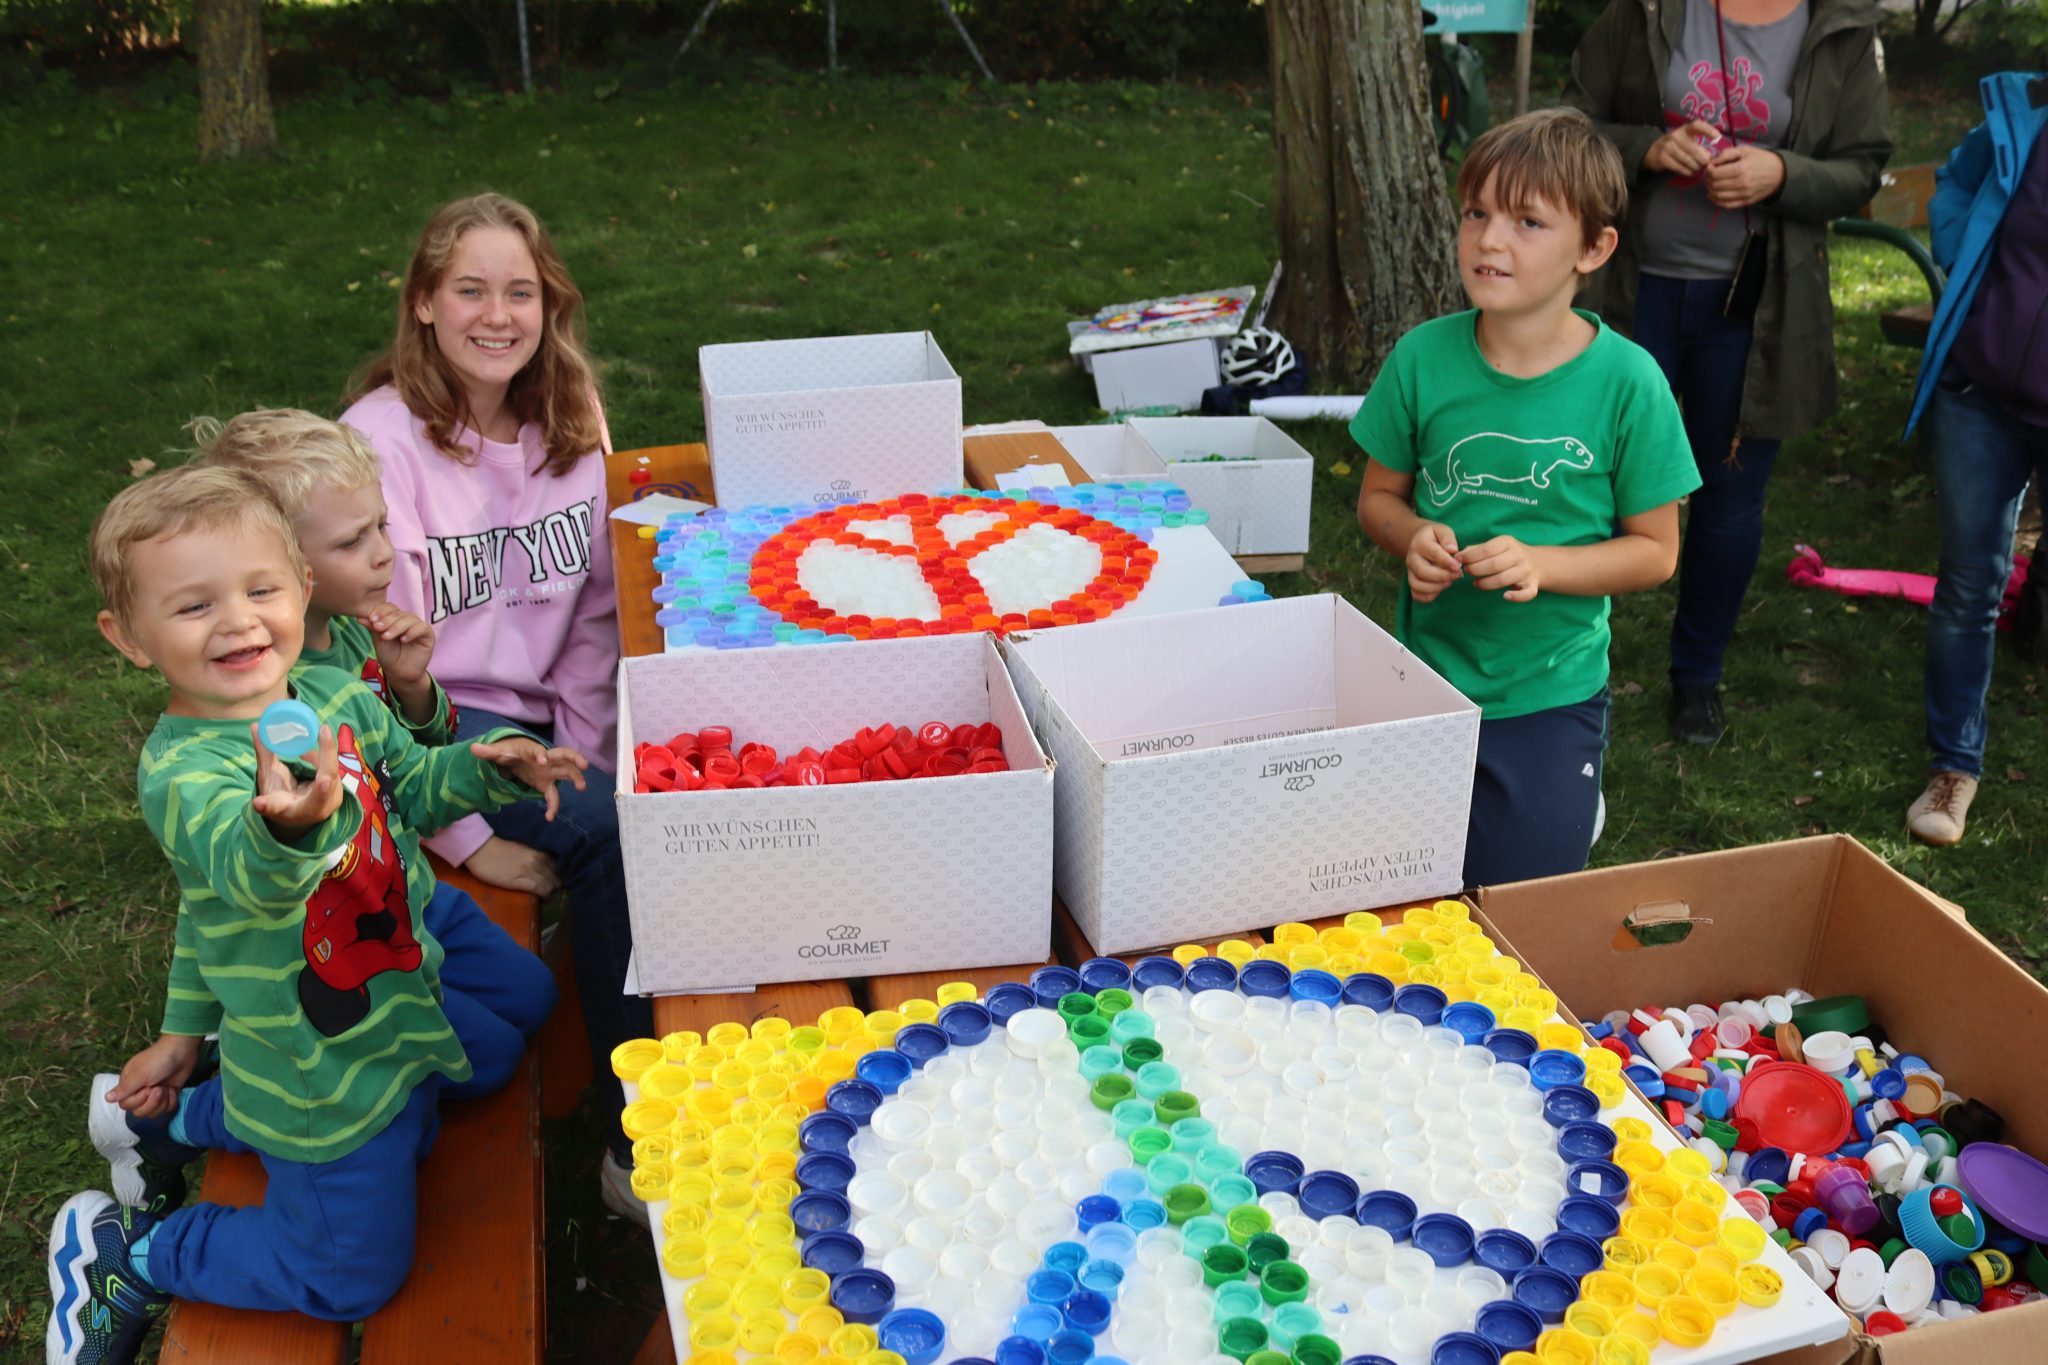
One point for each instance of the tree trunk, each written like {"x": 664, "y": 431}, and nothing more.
{"x": 234, "y": 80}
{"x": 1367, "y": 231}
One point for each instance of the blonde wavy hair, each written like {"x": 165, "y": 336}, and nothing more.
{"x": 175, "y": 502}
{"x": 296, "y": 453}
{"x": 557, "y": 390}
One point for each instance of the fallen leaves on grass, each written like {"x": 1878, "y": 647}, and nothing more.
{"x": 1804, "y": 799}
{"x": 140, "y": 466}
{"x": 2015, "y": 775}
{"x": 1629, "y": 688}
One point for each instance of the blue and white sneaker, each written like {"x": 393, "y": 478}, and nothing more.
{"x": 148, "y": 1164}
{"x": 100, "y": 1309}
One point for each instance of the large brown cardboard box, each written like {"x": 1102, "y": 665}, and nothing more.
{"x": 1000, "y": 452}
{"x": 1827, "y": 915}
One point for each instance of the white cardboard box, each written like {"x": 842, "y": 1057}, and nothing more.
{"x": 1173, "y": 375}
{"x": 1110, "y": 454}
{"x": 819, "y": 420}
{"x": 1237, "y": 766}
{"x": 1257, "y": 501}
{"x": 797, "y": 883}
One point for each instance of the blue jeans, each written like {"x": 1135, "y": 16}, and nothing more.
{"x": 583, "y": 839}
{"x": 1535, "y": 793}
{"x": 1703, "y": 356}
{"x": 1983, "y": 457}
{"x": 331, "y": 1239}
{"x": 495, "y": 993}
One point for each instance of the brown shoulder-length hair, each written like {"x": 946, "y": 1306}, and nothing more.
{"x": 557, "y": 390}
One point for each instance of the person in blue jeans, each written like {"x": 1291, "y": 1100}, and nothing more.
{"x": 1729, "y": 177}
{"x": 1983, "y": 389}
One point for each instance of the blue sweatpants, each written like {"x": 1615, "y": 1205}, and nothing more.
{"x": 334, "y": 1239}
{"x": 1535, "y": 793}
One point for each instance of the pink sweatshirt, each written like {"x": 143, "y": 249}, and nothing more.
{"x": 513, "y": 570}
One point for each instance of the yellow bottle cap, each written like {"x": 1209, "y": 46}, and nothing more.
{"x": 1443, "y": 938}
{"x": 854, "y": 1340}
{"x": 1589, "y": 1319}
{"x": 704, "y": 1059}
{"x": 1717, "y": 1258}
{"x": 1294, "y": 932}
{"x": 708, "y": 1296}
{"x": 1640, "y": 1158}
{"x": 809, "y": 1091}
{"x": 1607, "y": 1086}
{"x": 1491, "y": 974}
{"x": 729, "y": 1034}
{"x": 760, "y": 1331}
{"x": 954, "y": 992}
{"x": 777, "y": 1263}
{"x": 1685, "y": 1163}
{"x": 1697, "y": 1224}
{"x": 690, "y": 1189}
{"x": 676, "y": 1046}
{"x": 775, "y": 1166}
{"x": 1417, "y": 952}
{"x": 772, "y": 1230}
{"x": 1521, "y": 1358}
{"x": 1542, "y": 1001}
{"x": 644, "y": 1118}
{"x": 1649, "y": 1226}
{"x": 803, "y": 1290}
{"x": 1306, "y": 957}
{"x": 1655, "y": 1282}
{"x": 806, "y": 1041}
{"x": 652, "y": 1148}
{"x": 1600, "y": 1059}
{"x": 820, "y": 1322}
{"x": 881, "y": 1357}
{"x": 733, "y": 1168}
{"x": 666, "y": 1081}
{"x": 1685, "y": 1320}
{"x": 881, "y": 1027}
{"x": 1342, "y": 938}
{"x": 1618, "y": 1348}
{"x": 777, "y": 1135}
{"x": 1189, "y": 952}
{"x": 714, "y": 1332}
{"x": 683, "y": 1220}
{"x": 1235, "y": 951}
{"x": 756, "y": 1293}
{"x": 1714, "y": 1288}
{"x": 768, "y": 1088}
{"x": 770, "y": 1028}
{"x": 1523, "y": 1018}
{"x": 1271, "y": 952}
{"x": 1759, "y": 1285}
{"x": 1612, "y": 1291}
{"x": 735, "y": 1197}
{"x": 682, "y": 1255}
{"x": 644, "y": 532}
{"x": 1563, "y": 1346}
{"x": 1632, "y": 1129}
{"x": 841, "y": 1022}
{"x": 1424, "y": 974}
{"x": 1389, "y": 964}
{"x": 797, "y": 1348}
{"x": 732, "y": 1076}
{"x": 1366, "y": 923}
{"x": 634, "y": 1056}
{"x": 690, "y": 1154}
{"x": 834, "y": 1066}
{"x": 1675, "y": 1254}
{"x": 1622, "y": 1253}
{"x": 733, "y": 1262}
{"x": 707, "y": 1357}
{"x": 1451, "y": 910}
{"x": 918, "y": 1011}
{"x": 1641, "y": 1326}
{"x": 650, "y": 1181}
{"x": 757, "y": 1052}
{"x": 724, "y": 1231}
{"x": 1655, "y": 1189}
{"x": 749, "y": 1113}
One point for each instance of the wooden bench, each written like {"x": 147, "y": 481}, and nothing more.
{"x": 478, "y": 1290}
{"x": 1891, "y": 217}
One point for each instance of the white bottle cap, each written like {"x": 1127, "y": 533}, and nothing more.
{"x": 1030, "y": 1030}
{"x": 1909, "y": 1284}
{"x": 1808, "y": 1260}
{"x": 1859, "y": 1283}
{"x": 1662, "y": 1041}
{"x": 1833, "y": 1246}
{"x": 1778, "y": 1009}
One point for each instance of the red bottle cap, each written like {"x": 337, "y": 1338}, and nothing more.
{"x": 684, "y": 742}
{"x": 835, "y": 776}
{"x": 747, "y": 780}
{"x": 1883, "y": 1323}
{"x": 638, "y": 476}
{"x": 757, "y": 759}
{"x": 804, "y": 772}
{"x": 721, "y": 767}
{"x": 715, "y": 737}
{"x": 989, "y": 736}
{"x": 946, "y": 763}
{"x": 893, "y": 760}
{"x": 1945, "y": 1201}
{"x": 934, "y": 734}
{"x": 992, "y": 766}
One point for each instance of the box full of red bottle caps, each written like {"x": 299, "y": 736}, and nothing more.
{"x": 830, "y": 811}
{"x": 1827, "y": 917}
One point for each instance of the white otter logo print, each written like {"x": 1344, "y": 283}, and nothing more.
{"x": 1496, "y": 465}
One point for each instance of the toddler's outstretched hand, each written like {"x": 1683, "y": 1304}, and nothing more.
{"x": 149, "y": 1082}
{"x": 538, "y": 766}
{"x": 1432, "y": 560}
{"x": 292, "y": 807}
{"x": 404, "y": 644}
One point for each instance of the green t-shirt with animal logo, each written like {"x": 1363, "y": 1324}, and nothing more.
{"x": 1554, "y": 460}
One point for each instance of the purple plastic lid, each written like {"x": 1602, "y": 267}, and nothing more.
{"x": 2010, "y": 1185}
{"x": 1509, "y": 1325}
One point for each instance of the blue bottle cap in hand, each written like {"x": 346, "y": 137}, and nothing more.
{"x": 289, "y": 728}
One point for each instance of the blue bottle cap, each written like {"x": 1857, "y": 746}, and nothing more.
{"x": 1553, "y": 1067}
{"x": 1468, "y": 1019}
{"x": 1086, "y": 1311}
{"x": 1504, "y": 1251}
{"x": 1602, "y": 1178}
{"x": 1714, "y": 1103}
{"x": 884, "y": 1069}
{"x": 1445, "y": 1236}
{"x": 1576, "y": 1256}
{"x": 913, "y": 1333}
{"x": 1066, "y": 1257}
{"x": 1104, "y": 973}
{"x": 1389, "y": 1209}
{"x": 1211, "y": 974}
{"x": 1144, "y": 1213}
{"x": 1809, "y": 1222}
{"x": 1584, "y": 1141}
{"x": 1270, "y": 1171}
{"x": 820, "y": 1211}
{"x": 1369, "y": 989}
{"x": 1425, "y": 1003}
{"x": 1325, "y": 1194}
{"x": 918, "y": 1042}
{"x": 1103, "y": 1277}
{"x": 826, "y": 1131}
{"x": 1509, "y": 1325}
{"x": 1510, "y": 1045}
{"x": 972, "y": 1360}
{"x": 1569, "y": 1104}
{"x": 1019, "y": 1351}
{"x": 1367, "y": 1360}
{"x": 1771, "y": 1164}
{"x": 1069, "y": 1346}
{"x": 1648, "y": 1079}
{"x": 1589, "y": 1216}
{"x": 965, "y": 1023}
{"x": 1157, "y": 971}
{"x": 824, "y": 1171}
{"x": 1098, "y": 1208}
{"x": 832, "y": 1252}
{"x": 1264, "y": 977}
{"x": 1037, "y": 1321}
{"x": 1546, "y": 1292}
{"x": 1463, "y": 1348}
{"x": 1318, "y": 986}
{"x": 1049, "y": 1286}
{"x": 856, "y": 1099}
{"x": 1125, "y": 1185}
{"x": 1115, "y": 1243}
{"x": 289, "y": 728}
{"x": 1049, "y": 983}
{"x": 1007, "y": 998}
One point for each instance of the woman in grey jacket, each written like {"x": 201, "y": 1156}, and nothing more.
{"x": 1746, "y": 127}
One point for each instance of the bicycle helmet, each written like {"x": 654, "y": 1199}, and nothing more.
{"x": 1256, "y": 356}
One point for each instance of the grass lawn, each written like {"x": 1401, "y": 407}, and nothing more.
{"x": 143, "y": 290}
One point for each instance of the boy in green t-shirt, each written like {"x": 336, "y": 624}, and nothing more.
{"x": 343, "y": 1014}
{"x": 1525, "y": 463}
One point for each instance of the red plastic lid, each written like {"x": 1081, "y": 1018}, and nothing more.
{"x": 1795, "y": 1107}
{"x": 1884, "y": 1324}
